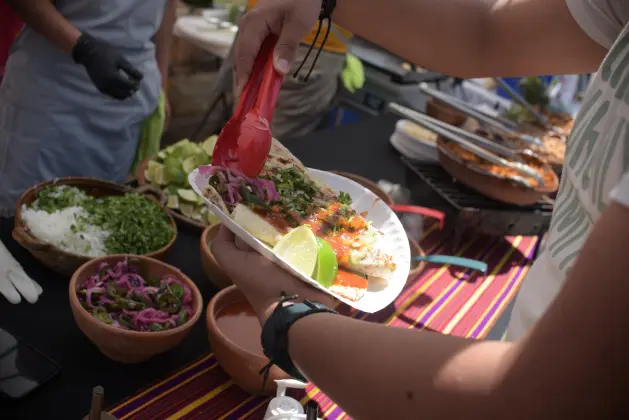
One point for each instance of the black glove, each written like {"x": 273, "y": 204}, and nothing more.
{"x": 110, "y": 72}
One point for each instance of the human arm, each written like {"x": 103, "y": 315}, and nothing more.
{"x": 163, "y": 39}
{"x": 43, "y": 16}
{"x": 570, "y": 365}
{"x": 464, "y": 38}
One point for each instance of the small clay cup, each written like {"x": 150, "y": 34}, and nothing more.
{"x": 242, "y": 365}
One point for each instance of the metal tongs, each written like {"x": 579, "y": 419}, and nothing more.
{"x": 525, "y": 104}
{"x": 485, "y": 119}
{"x": 470, "y": 142}
{"x": 245, "y": 141}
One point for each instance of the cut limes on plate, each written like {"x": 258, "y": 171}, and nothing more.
{"x": 327, "y": 265}
{"x": 299, "y": 248}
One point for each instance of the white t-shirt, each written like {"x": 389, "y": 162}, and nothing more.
{"x": 596, "y": 164}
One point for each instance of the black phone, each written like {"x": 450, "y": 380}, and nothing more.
{"x": 22, "y": 367}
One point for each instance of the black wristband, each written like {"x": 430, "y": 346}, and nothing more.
{"x": 275, "y": 333}
{"x": 327, "y": 7}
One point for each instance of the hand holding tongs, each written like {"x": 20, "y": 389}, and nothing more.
{"x": 453, "y": 135}
{"x": 245, "y": 141}
{"x": 474, "y": 113}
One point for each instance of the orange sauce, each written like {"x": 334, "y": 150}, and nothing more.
{"x": 340, "y": 231}
{"x": 240, "y": 324}
{"x": 347, "y": 279}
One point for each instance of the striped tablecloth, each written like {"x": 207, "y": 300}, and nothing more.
{"x": 442, "y": 298}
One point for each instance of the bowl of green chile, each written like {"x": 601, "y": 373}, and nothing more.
{"x": 133, "y": 307}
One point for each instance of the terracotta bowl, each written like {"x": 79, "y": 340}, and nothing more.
{"x": 131, "y": 346}
{"x": 445, "y": 113}
{"x": 54, "y": 258}
{"x": 416, "y": 266}
{"x": 214, "y": 272}
{"x": 370, "y": 185}
{"x": 242, "y": 365}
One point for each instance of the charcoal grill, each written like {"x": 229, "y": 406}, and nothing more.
{"x": 468, "y": 212}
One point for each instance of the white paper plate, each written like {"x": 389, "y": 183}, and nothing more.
{"x": 395, "y": 241}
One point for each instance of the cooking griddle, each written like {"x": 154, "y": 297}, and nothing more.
{"x": 467, "y": 211}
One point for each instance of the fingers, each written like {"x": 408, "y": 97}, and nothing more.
{"x": 293, "y": 30}
{"x": 254, "y": 30}
{"x": 133, "y": 73}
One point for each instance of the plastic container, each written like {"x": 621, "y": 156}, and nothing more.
{"x": 282, "y": 406}
{"x": 415, "y": 142}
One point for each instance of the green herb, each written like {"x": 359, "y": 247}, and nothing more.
{"x": 345, "y": 198}
{"x": 136, "y": 225}
{"x": 296, "y": 190}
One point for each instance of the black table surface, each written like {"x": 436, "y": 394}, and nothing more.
{"x": 362, "y": 148}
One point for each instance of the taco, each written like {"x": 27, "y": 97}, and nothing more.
{"x": 284, "y": 197}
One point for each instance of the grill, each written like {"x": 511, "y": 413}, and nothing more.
{"x": 470, "y": 212}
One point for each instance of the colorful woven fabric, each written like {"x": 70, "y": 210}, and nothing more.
{"x": 442, "y": 298}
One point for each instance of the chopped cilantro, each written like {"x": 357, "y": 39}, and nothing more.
{"x": 345, "y": 198}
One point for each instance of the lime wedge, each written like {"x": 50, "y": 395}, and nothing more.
{"x": 186, "y": 209}
{"x": 173, "y": 202}
{"x": 208, "y": 144}
{"x": 189, "y": 164}
{"x": 299, "y": 248}
{"x": 327, "y": 265}
{"x": 188, "y": 195}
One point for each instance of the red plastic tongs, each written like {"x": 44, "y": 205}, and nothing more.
{"x": 245, "y": 141}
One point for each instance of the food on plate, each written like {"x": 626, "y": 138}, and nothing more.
{"x": 307, "y": 223}
{"x": 169, "y": 171}
{"x": 470, "y": 158}
{"x": 121, "y": 296}
{"x": 73, "y": 221}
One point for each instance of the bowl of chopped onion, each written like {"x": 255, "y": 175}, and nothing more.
{"x": 133, "y": 307}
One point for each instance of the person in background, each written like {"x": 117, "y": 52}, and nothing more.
{"x": 10, "y": 25}
{"x": 567, "y": 343}
{"x": 82, "y": 79}
{"x": 302, "y": 105}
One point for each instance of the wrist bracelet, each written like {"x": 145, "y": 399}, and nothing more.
{"x": 275, "y": 334}
{"x": 327, "y": 7}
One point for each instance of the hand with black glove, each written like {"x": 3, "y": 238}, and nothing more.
{"x": 111, "y": 73}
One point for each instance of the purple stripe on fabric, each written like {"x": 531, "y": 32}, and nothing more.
{"x": 437, "y": 306}
{"x": 504, "y": 295}
{"x": 169, "y": 384}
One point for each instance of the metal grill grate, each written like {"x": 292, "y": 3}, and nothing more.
{"x": 466, "y": 209}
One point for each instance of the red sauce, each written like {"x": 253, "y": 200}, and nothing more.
{"x": 340, "y": 231}
{"x": 240, "y": 324}
{"x": 347, "y": 279}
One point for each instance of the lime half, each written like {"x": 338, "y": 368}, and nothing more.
{"x": 299, "y": 248}
{"x": 327, "y": 264}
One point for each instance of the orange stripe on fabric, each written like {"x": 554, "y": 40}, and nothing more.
{"x": 174, "y": 388}
{"x": 455, "y": 280}
{"x": 146, "y": 391}
{"x": 489, "y": 307}
{"x": 205, "y": 398}
{"x": 421, "y": 289}
{"x": 457, "y": 318}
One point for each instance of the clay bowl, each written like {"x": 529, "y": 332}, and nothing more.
{"x": 144, "y": 184}
{"x": 64, "y": 262}
{"x": 214, "y": 272}
{"x": 241, "y": 364}
{"x": 370, "y": 185}
{"x": 445, "y": 113}
{"x": 131, "y": 346}
{"x": 416, "y": 266}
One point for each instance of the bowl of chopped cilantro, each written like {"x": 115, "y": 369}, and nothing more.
{"x": 133, "y": 307}
{"x": 69, "y": 221}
